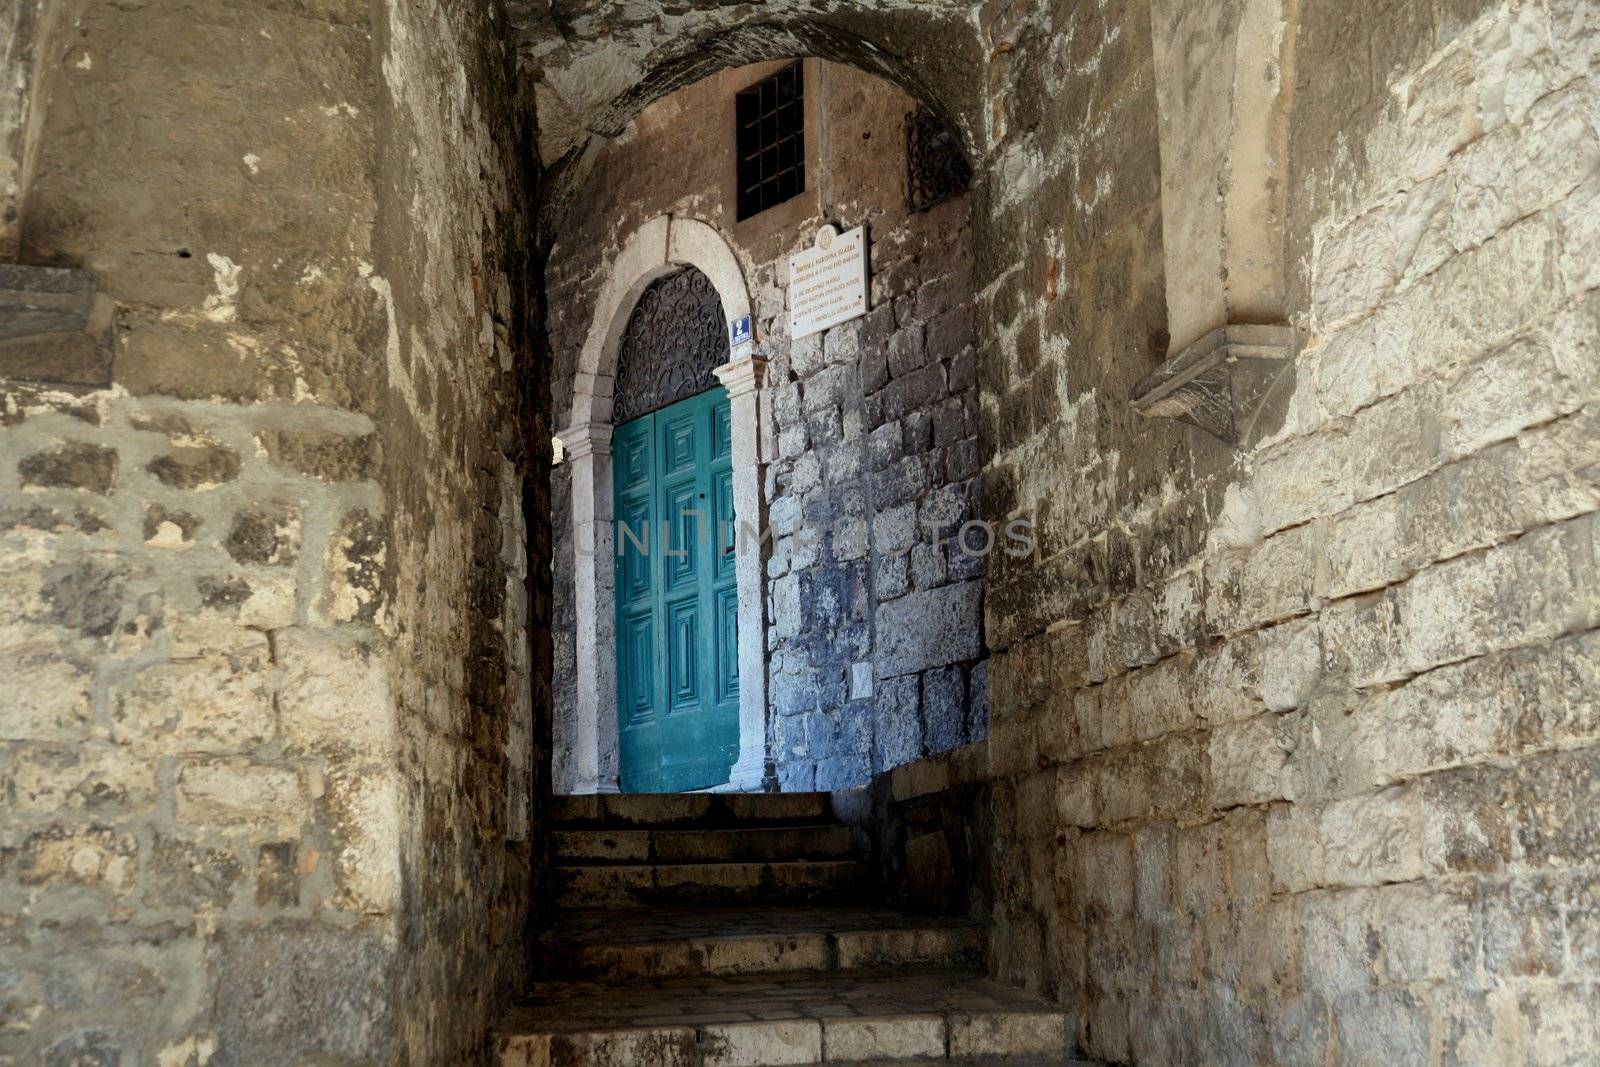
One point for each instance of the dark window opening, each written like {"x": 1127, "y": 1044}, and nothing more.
{"x": 935, "y": 168}
{"x": 771, "y": 120}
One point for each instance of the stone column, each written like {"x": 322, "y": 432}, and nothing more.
{"x": 1224, "y": 77}
{"x": 595, "y": 751}
{"x": 743, "y": 379}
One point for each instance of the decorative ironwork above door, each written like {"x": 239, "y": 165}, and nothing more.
{"x": 675, "y": 338}
{"x": 935, "y": 167}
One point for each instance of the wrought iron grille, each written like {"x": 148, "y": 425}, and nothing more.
{"x": 771, "y": 141}
{"x": 675, "y": 337}
{"x": 935, "y": 167}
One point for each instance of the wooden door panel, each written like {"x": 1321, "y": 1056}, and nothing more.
{"x": 677, "y": 631}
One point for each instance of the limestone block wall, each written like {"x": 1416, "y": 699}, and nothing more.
{"x": 1292, "y": 750}
{"x": 268, "y": 733}
{"x": 874, "y": 619}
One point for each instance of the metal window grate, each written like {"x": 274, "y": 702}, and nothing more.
{"x": 935, "y": 167}
{"x": 771, "y": 141}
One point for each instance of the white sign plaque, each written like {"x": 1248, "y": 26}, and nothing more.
{"x": 828, "y": 282}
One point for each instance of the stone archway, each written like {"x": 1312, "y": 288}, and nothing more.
{"x": 658, "y": 247}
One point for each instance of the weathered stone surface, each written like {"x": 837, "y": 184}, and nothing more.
{"x": 354, "y": 570}
{"x": 304, "y": 991}
{"x": 92, "y": 468}
{"x": 236, "y": 795}
{"x": 186, "y": 874}
{"x": 329, "y": 456}
{"x": 96, "y": 858}
{"x": 333, "y": 696}
{"x": 266, "y": 534}
{"x": 195, "y": 466}
{"x": 925, "y": 629}
{"x": 277, "y": 875}
{"x": 52, "y": 699}
{"x": 212, "y": 704}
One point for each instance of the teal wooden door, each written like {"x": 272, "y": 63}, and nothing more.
{"x": 677, "y": 597}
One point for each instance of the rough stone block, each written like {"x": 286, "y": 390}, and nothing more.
{"x": 182, "y": 873}
{"x": 306, "y": 990}
{"x": 93, "y": 857}
{"x": 1248, "y": 762}
{"x": 210, "y": 704}
{"x": 195, "y": 467}
{"x": 238, "y": 795}
{"x": 1368, "y": 840}
{"x": 1294, "y": 847}
{"x": 1280, "y": 575}
{"x": 1473, "y": 303}
{"x": 929, "y": 628}
{"x": 1363, "y": 549}
{"x": 1508, "y": 595}
{"x": 897, "y": 723}
{"x": 753, "y": 1044}
{"x": 1362, "y": 639}
{"x": 333, "y": 695}
{"x": 364, "y": 810}
{"x": 1382, "y": 1026}
{"x": 905, "y": 352}
{"x": 1337, "y": 948}
{"x": 353, "y": 572}
{"x": 277, "y": 875}
{"x": 1505, "y": 392}
{"x": 265, "y": 535}
{"x": 1426, "y": 932}
{"x": 1225, "y": 681}
{"x": 1557, "y": 809}
{"x": 1303, "y": 479}
{"x": 1291, "y": 664}
{"x": 51, "y": 699}
{"x": 76, "y": 465}
{"x": 1522, "y": 924}
{"x": 91, "y": 777}
{"x": 944, "y": 708}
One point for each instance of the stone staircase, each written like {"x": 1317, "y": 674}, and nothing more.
{"x": 740, "y": 930}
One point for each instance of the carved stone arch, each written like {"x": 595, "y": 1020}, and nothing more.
{"x": 661, "y": 249}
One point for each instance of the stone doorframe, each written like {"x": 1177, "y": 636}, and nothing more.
{"x": 657, "y": 248}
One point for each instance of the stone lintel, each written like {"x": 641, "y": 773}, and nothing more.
{"x": 1219, "y": 382}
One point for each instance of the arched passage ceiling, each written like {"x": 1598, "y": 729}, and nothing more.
{"x": 595, "y": 64}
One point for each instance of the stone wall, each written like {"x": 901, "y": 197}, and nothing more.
{"x": 267, "y": 754}
{"x": 875, "y": 646}
{"x": 1292, "y": 751}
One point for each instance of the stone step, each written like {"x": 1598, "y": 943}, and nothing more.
{"x": 761, "y": 844}
{"x": 649, "y": 885}
{"x": 800, "y": 1018}
{"x": 660, "y": 943}
{"x": 697, "y": 810}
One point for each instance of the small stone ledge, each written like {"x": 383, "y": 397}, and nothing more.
{"x": 1220, "y": 382}
{"x": 53, "y": 326}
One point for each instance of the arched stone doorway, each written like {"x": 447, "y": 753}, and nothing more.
{"x": 867, "y": 630}
{"x": 608, "y": 390}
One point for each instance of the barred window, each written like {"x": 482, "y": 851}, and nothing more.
{"x": 935, "y": 167}
{"x": 771, "y": 141}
